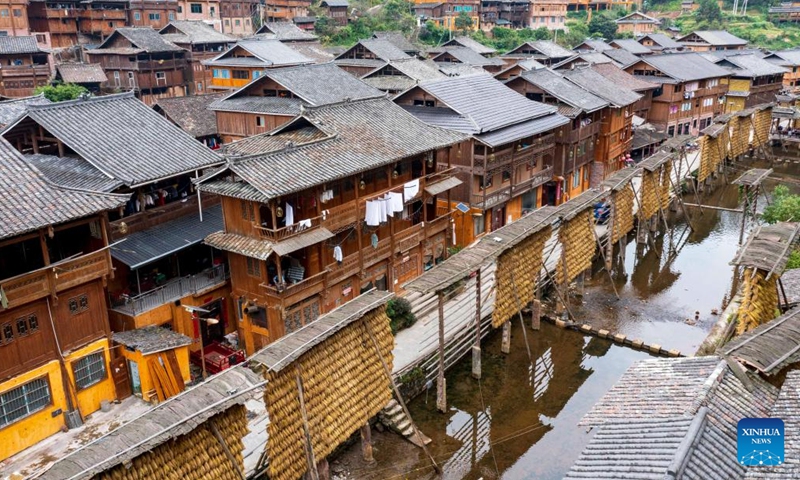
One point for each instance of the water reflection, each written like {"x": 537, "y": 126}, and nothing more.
{"x": 521, "y": 419}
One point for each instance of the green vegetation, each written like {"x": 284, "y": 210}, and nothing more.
{"x": 794, "y": 260}
{"x": 709, "y": 12}
{"x": 785, "y": 207}
{"x": 463, "y": 23}
{"x": 60, "y": 92}
{"x": 603, "y": 26}
{"x": 400, "y": 315}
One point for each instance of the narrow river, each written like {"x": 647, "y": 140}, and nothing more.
{"x": 520, "y": 421}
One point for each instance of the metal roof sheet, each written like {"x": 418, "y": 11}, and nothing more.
{"x": 146, "y": 246}
{"x": 442, "y": 186}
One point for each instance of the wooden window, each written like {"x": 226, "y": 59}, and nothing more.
{"x": 259, "y": 121}
{"x": 22, "y": 326}
{"x": 89, "y": 370}
{"x": 154, "y": 16}
{"x": 33, "y": 323}
{"x": 17, "y": 12}
{"x": 7, "y": 333}
{"x": 78, "y": 304}
{"x": 137, "y": 16}
{"x": 4, "y": 12}
{"x": 24, "y": 401}
{"x": 254, "y": 267}
{"x": 241, "y": 74}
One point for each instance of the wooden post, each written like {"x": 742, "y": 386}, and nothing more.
{"x": 441, "y": 390}
{"x": 323, "y": 470}
{"x": 476, "y": 349}
{"x": 612, "y": 218}
{"x": 227, "y": 450}
{"x": 505, "y": 347}
{"x": 311, "y": 463}
{"x": 744, "y": 213}
{"x": 366, "y": 444}
{"x": 536, "y": 314}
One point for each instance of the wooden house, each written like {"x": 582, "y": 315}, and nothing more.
{"x": 367, "y": 55}
{"x": 504, "y": 13}
{"x": 790, "y": 60}
{"x": 400, "y": 75}
{"x": 201, "y": 42}
{"x": 706, "y": 40}
{"x": 637, "y": 23}
{"x": 23, "y": 66}
{"x": 192, "y": 115}
{"x": 616, "y": 130}
{"x": 99, "y": 18}
{"x": 625, "y": 80}
{"x": 59, "y": 19}
{"x": 248, "y": 59}
{"x": 366, "y": 213}
{"x": 576, "y": 140}
{"x": 55, "y": 362}
{"x": 88, "y": 144}
{"x": 141, "y": 60}
{"x": 785, "y": 12}
{"x": 543, "y": 51}
{"x": 518, "y": 69}
{"x": 658, "y": 42}
{"x": 336, "y": 10}
{"x": 753, "y": 81}
{"x": 279, "y": 95}
{"x": 305, "y": 23}
{"x": 14, "y": 18}
{"x": 238, "y": 16}
{"x": 632, "y": 46}
{"x": 514, "y": 147}
{"x": 88, "y": 75}
{"x": 152, "y": 13}
{"x": 468, "y": 42}
{"x": 445, "y": 16}
{"x": 549, "y": 14}
{"x": 287, "y": 11}
{"x": 467, "y": 56}
{"x": 286, "y": 32}
{"x": 692, "y": 91}
{"x": 206, "y": 11}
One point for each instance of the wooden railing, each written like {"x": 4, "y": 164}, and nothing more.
{"x": 539, "y": 178}
{"x": 373, "y": 255}
{"x": 54, "y": 278}
{"x": 407, "y": 239}
{"x": 157, "y": 216}
{"x": 584, "y": 132}
{"x": 291, "y": 293}
{"x": 348, "y": 268}
{"x": 280, "y": 234}
{"x": 42, "y": 71}
{"x": 340, "y": 216}
{"x": 437, "y": 225}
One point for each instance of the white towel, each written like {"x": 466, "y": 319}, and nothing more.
{"x": 289, "y": 215}
{"x": 383, "y": 205}
{"x": 337, "y": 254}
{"x": 396, "y": 201}
{"x": 304, "y": 223}
{"x": 372, "y": 215}
{"x": 411, "y": 189}
{"x": 388, "y": 202}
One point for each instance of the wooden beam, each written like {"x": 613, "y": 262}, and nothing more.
{"x": 312, "y": 464}
{"x": 227, "y": 450}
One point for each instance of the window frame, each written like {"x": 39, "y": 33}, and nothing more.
{"x": 92, "y": 378}
{"x": 5, "y": 411}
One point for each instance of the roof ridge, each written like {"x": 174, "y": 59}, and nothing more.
{"x": 90, "y": 99}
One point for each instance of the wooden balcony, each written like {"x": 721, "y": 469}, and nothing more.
{"x": 348, "y": 268}
{"x": 55, "y": 278}
{"x": 374, "y": 255}
{"x": 437, "y": 225}
{"x": 487, "y": 200}
{"x": 583, "y": 133}
{"x": 510, "y": 154}
{"x": 30, "y": 71}
{"x": 103, "y": 15}
{"x": 157, "y": 216}
{"x": 408, "y": 238}
{"x": 60, "y": 13}
{"x": 340, "y": 216}
{"x": 276, "y": 235}
{"x": 290, "y": 293}
{"x": 539, "y": 178}
{"x": 159, "y": 65}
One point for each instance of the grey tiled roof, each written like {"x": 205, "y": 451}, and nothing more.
{"x": 286, "y": 31}
{"x": 788, "y": 58}
{"x": 151, "y": 339}
{"x": 367, "y": 134}
{"x": 384, "y": 49}
{"x": 146, "y": 246}
{"x": 472, "y": 45}
{"x": 399, "y": 40}
{"x": 459, "y": 69}
{"x": 28, "y": 201}
{"x": 144, "y": 38}
{"x": 660, "y": 396}
{"x": 469, "y": 56}
{"x": 442, "y": 117}
{"x": 621, "y": 56}
{"x": 335, "y": 3}
{"x": 390, "y": 83}
{"x": 19, "y": 45}
{"x": 10, "y": 110}
{"x": 787, "y": 408}
{"x": 565, "y": 91}
{"x": 599, "y": 85}
{"x": 637, "y": 17}
{"x": 717, "y": 37}
{"x": 252, "y": 104}
{"x": 593, "y": 44}
{"x": 632, "y": 46}
{"x": 191, "y": 113}
{"x": 313, "y": 50}
{"x": 413, "y": 71}
{"x": 71, "y": 172}
{"x": 124, "y": 138}
{"x": 361, "y": 62}
{"x": 769, "y": 348}
{"x": 238, "y": 190}
{"x": 753, "y": 66}
{"x": 417, "y": 69}
{"x": 487, "y": 103}
{"x": 240, "y": 244}
{"x": 270, "y": 143}
{"x": 547, "y": 48}
{"x": 662, "y": 40}
{"x": 590, "y": 58}
{"x": 193, "y": 32}
{"x": 81, "y": 73}
{"x": 321, "y": 84}
{"x": 178, "y": 415}
{"x": 623, "y": 78}
{"x": 522, "y": 130}
{"x": 266, "y": 52}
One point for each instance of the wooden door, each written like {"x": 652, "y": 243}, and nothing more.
{"x": 122, "y": 382}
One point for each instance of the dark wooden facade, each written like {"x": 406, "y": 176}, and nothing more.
{"x": 20, "y": 74}
{"x": 14, "y": 17}
{"x": 152, "y": 13}
{"x": 60, "y": 19}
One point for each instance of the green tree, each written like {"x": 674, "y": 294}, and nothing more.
{"x": 60, "y": 92}
{"x": 542, "y": 33}
{"x": 603, "y": 27}
{"x": 785, "y": 207}
{"x": 463, "y": 22}
{"x": 709, "y": 12}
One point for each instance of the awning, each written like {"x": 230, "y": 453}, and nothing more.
{"x": 235, "y": 243}
{"x": 146, "y": 246}
{"x": 302, "y": 240}
{"x": 442, "y": 186}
